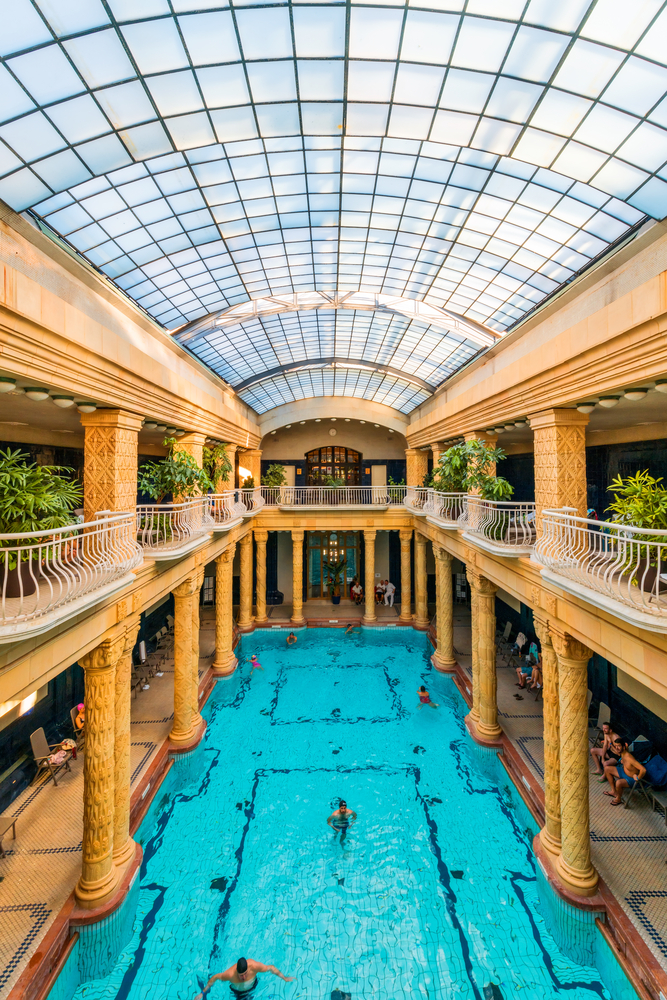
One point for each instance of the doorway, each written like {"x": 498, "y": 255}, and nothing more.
{"x": 330, "y": 547}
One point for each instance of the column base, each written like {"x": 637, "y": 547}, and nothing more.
{"x": 472, "y": 724}
{"x": 185, "y": 736}
{"x": 369, "y": 621}
{"x": 583, "y": 883}
{"x": 261, "y": 621}
{"x": 489, "y": 733}
{"x": 197, "y": 721}
{"x": 406, "y": 619}
{"x": 224, "y": 666}
{"x": 421, "y": 624}
{"x": 297, "y": 622}
{"x": 90, "y": 895}
{"x": 125, "y": 853}
{"x": 551, "y": 845}
{"x": 444, "y": 666}
{"x": 245, "y": 626}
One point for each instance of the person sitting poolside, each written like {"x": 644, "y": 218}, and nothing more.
{"x": 242, "y": 977}
{"x": 524, "y": 671}
{"x": 379, "y": 592}
{"x": 536, "y": 675}
{"x": 601, "y": 755}
{"x": 357, "y": 592}
{"x": 80, "y": 720}
{"x": 291, "y": 639}
{"x": 624, "y": 774}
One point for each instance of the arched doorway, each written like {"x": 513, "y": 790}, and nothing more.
{"x": 337, "y": 463}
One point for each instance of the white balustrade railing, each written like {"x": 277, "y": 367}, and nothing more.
{"x": 225, "y": 507}
{"x": 503, "y": 524}
{"x": 619, "y": 561}
{"x": 415, "y": 498}
{"x": 253, "y": 500}
{"x": 42, "y": 572}
{"x": 271, "y": 495}
{"x": 169, "y": 527}
{"x": 445, "y": 507}
{"x": 340, "y": 496}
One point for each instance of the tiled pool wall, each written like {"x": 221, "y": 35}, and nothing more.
{"x": 575, "y": 932}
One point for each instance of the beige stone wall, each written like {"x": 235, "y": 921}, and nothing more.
{"x": 372, "y": 442}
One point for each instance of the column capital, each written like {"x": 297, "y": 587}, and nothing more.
{"x": 246, "y": 539}
{"x": 195, "y": 439}
{"x": 298, "y": 535}
{"x": 188, "y": 587}
{"x": 420, "y": 539}
{"x": 132, "y": 625}
{"x": 261, "y": 535}
{"x": 104, "y": 656}
{"x": 442, "y": 554}
{"x": 557, "y": 417}
{"x": 253, "y": 452}
{"x": 481, "y": 436}
{"x": 369, "y": 534}
{"x": 569, "y": 648}
{"x": 412, "y": 451}
{"x": 405, "y": 535}
{"x": 483, "y": 586}
{"x": 112, "y": 418}
{"x": 542, "y": 630}
{"x": 228, "y": 555}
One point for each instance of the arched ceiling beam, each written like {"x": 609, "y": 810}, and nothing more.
{"x": 334, "y": 362}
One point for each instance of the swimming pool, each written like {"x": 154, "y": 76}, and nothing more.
{"x": 433, "y": 892}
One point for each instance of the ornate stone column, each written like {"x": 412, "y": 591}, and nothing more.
{"x": 193, "y": 443}
{"x": 252, "y": 460}
{"x": 560, "y": 460}
{"x": 99, "y": 876}
{"x": 443, "y": 657}
{"x": 370, "y": 616}
{"x": 230, "y": 482}
{"x": 182, "y": 730}
{"x": 405, "y": 535}
{"x": 297, "y": 578}
{"x": 416, "y": 466}
{"x": 574, "y": 863}
{"x": 196, "y": 714}
{"x": 487, "y": 727}
{"x": 123, "y": 844}
{"x": 421, "y": 597}
{"x": 245, "y": 600}
{"x": 260, "y": 597}
{"x": 109, "y": 461}
{"x": 436, "y": 453}
{"x": 489, "y": 439}
{"x": 474, "y": 642}
{"x": 550, "y": 832}
{"x": 224, "y": 661}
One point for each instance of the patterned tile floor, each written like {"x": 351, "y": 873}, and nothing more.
{"x": 44, "y": 862}
{"x": 629, "y": 846}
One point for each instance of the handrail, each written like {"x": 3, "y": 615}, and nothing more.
{"x": 41, "y": 571}
{"x": 446, "y": 507}
{"x": 505, "y": 524}
{"x": 225, "y": 507}
{"x": 620, "y": 561}
{"x": 339, "y": 496}
{"x": 168, "y": 527}
{"x": 253, "y": 500}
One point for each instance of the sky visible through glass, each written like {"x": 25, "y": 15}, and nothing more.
{"x": 473, "y": 154}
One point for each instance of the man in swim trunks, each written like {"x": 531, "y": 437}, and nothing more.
{"x": 425, "y": 698}
{"x": 341, "y": 820}
{"x": 624, "y": 775}
{"x": 242, "y": 977}
{"x": 291, "y": 639}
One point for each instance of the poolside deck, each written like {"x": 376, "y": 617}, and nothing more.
{"x": 629, "y": 846}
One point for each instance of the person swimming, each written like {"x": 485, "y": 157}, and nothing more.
{"x": 341, "y": 820}
{"x": 425, "y": 698}
{"x": 242, "y": 977}
{"x": 291, "y": 639}
{"x": 255, "y": 664}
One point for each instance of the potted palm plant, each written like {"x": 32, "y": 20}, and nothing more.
{"x": 275, "y": 477}
{"x": 335, "y": 572}
{"x": 178, "y": 474}
{"x": 640, "y": 501}
{"x": 217, "y": 465}
{"x": 32, "y": 498}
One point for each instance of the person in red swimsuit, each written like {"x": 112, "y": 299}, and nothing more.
{"x": 425, "y": 698}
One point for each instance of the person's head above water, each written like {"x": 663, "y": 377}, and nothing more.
{"x": 422, "y": 688}
{"x": 254, "y": 656}
{"x": 342, "y": 804}
{"x": 242, "y": 966}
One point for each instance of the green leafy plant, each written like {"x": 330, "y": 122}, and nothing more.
{"x": 248, "y": 483}
{"x": 274, "y": 476}
{"x": 217, "y": 464}
{"x": 35, "y": 497}
{"x": 639, "y": 500}
{"x": 177, "y": 474}
{"x": 464, "y": 468}
{"x": 335, "y": 572}
{"x": 395, "y": 482}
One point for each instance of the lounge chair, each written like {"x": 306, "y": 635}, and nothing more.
{"x": 48, "y": 757}
{"x": 655, "y": 780}
{"x": 595, "y": 732}
{"x": 6, "y": 823}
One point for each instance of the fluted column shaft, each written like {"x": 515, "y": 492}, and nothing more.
{"x": 574, "y": 863}
{"x": 405, "y": 536}
{"x": 443, "y": 658}
{"x": 487, "y": 726}
{"x": 550, "y": 832}
{"x": 421, "y": 597}
{"x": 370, "y": 616}
{"x": 245, "y": 601}
{"x": 224, "y": 661}
{"x": 474, "y": 646}
{"x": 182, "y": 730}
{"x": 297, "y": 578}
{"x": 196, "y": 715}
{"x": 99, "y": 876}
{"x": 261, "y": 538}
{"x": 123, "y": 844}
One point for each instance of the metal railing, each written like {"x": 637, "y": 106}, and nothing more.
{"x": 339, "y": 496}
{"x": 169, "y": 527}
{"x": 225, "y": 507}
{"x": 503, "y": 524}
{"x": 253, "y": 500}
{"x": 446, "y": 507}
{"x": 43, "y": 571}
{"x": 623, "y": 563}
{"x": 415, "y": 498}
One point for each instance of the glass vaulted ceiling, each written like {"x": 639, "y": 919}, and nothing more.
{"x": 470, "y": 153}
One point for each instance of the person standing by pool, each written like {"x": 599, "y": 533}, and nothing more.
{"x": 242, "y": 977}
{"x": 291, "y": 639}
{"x": 341, "y": 820}
{"x": 255, "y": 664}
{"x": 425, "y": 698}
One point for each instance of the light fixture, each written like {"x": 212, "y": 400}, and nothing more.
{"x": 162, "y": 427}
{"x": 63, "y": 402}
{"x": 390, "y": 431}
{"x": 86, "y": 407}
{"x": 362, "y": 421}
{"x": 490, "y": 430}
{"x": 608, "y": 401}
{"x": 180, "y": 432}
{"x": 37, "y": 394}
{"x": 376, "y": 425}
{"x": 635, "y": 394}
{"x": 498, "y": 430}
{"x": 7, "y": 384}
{"x": 273, "y": 432}
{"x": 287, "y": 426}
{"x": 150, "y": 425}
{"x": 660, "y": 386}
{"x": 171, "y": 430}
{"x": 585, "y": 407}
{"x": 333, "y": 420}
{"x": 318, "y": 420}
{"x": 347, "y": 420}
{"x": 509, "y": 427}
{"x": 302, "y": 422}
{"x": 520, "y": 423}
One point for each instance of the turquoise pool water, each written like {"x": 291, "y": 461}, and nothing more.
{"x": 433, "y": 892}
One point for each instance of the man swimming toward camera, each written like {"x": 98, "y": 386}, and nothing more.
{"x": 342, "y": 819}
{"x": 242, "y": 977}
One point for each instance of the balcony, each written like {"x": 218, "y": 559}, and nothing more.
{"x": 333, "y": 497}
{"x": 616, "y": 567}
{"x": 47, "y": 577}
{"x": 500, "y": 527}
{"x": 172, "y": 530}
{"x": 252, "y": 501}
{"x": 226, "y": 510}
{"x": 444, "y": 509}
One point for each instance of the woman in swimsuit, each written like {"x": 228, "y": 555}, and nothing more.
{"x": 255, "y": 664}
{"x": 425, "y": 698}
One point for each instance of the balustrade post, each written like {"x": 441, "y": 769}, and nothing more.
{"x": 405, "y": 535}
{"x": 123, "y": 844}
{"x": 443, "y": 657}
{"x": 196, "y": 625}
{"x": 550, "y": 832}
{"x": 110, "y": 461}
{"x": 224, "y": 661}
{"x": 421, "y": 581}
{"x": 99, "y": 876}
{"x": 245, "y": 597}
{"x": 369, "y": 617}
{"x": 297, "y": 578}
{"x": 574, "y": 863}
{"x": 261, "y": 538}
{"x": 182, "y": 730}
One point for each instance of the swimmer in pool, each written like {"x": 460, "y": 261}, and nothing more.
{"x": 341, "y": 820}
{"x": 291, "y": 639}
{"x": 425, "y": 698}
{"x": 350, "y": 628}
{"x": 255, "y": 664}
{"x": 242, "y": 977}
